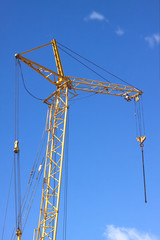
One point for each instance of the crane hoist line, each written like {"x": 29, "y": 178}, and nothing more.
{"x": 66, "y": 89}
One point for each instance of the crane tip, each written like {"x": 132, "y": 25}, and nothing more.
{"x": 16, "y": 55}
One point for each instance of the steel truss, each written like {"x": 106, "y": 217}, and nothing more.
{"x": 57, "y": 117}
{"x": 56, "y": 127}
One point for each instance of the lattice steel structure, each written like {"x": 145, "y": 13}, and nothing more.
{"x": 66, "y": 88}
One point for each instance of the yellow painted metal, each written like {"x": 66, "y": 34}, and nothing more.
{"x": 57, "y": 58}
{"x": 19, "y": 234}
{"x": 66, "y": 88}
{"x": 80, "y": 84}
{"x": 16, "y": 147}
{"x": 31, "y": 50}
{"x": 57, "y": 118}
{"x": 45, "y": 72}
{"x": 137, "y": 98}
{"x": 141, "y": 139}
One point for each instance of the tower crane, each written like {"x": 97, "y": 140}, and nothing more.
{"x": 66, "y": 88}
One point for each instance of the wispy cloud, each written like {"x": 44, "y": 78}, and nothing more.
{"x": 119, "y": 31}
{"x": 153, "y": 40}
{"x": 121, "y": 233}
{"x": 96, "y": 16}
{"x": 101, "y": 18}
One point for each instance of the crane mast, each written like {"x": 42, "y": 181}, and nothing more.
{"x": 66, "y": 88}
{"x": 57, "y": 117}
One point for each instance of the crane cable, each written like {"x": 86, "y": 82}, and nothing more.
{"x": 17, "y": 182}
{"x": 40, "y": 99}
{"x": 140, "y": 132}
{"x": 17, "y": 185}
{"x": 4, "y": 223}
{"x": 83, "y": 97}
{"x": 94, "y": 65}
{"x": 26, "y": 199}
{"x": 32, "y": 196}
{"x": 32, "y": 173}
{"x": 85, "y": 65}
{"x": 66, "y": 182}
{"x": 30, "y": 202}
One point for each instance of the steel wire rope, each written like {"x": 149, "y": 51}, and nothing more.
{"x": 144, "y": 179}
{"x": 33, "y": 193}
{"x": 139, "y": 118}
{"x": 31, "y": 198}
{"x": 19, "y": 192}
{"x": 141, "y": 132}
{"x": 30, "y": 182}
{"x": 18, "y": 157}
{"x": 85, "y": 65}
{"x": 16, "y": 139}
{"x": 31, "y": 178}
{"x": 73, "y": 101}
{"x": 66, "y": 182}
{"x": 143, "y": 129}
{"x": 15, "y": 189}
{"x": 97, "y": 65}
{"x": 40, "y": 99}
{"x": 35, "y": 167}
{"x": 135, "y": 109}
{"x": 142, "y": 114}
{"x": 5, "y": 216}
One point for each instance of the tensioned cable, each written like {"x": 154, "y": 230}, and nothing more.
{"x": 40, "y": 99}
{"x": 139, "y": 118}
{"x": 33, "y": 193}
{"x": 97, "y": 65}
{"x": 142, "y": 114}
{"x": 33, "y": 197}
{"x": 135, "y": 109}
{"x": 32, "y": 174}
{"x": 16, "y": 134}
{"x": 17, "y": 165}
{"x": 85, "y": 65}
{"x": 25, "y": 217}
{"x": 31, "y": 178}
{"x": 7, "y": 203}
{"x": 144, "y": 180}
{"x": 66, "y": 183}
{"x": 24, "y": 221}
{"x": 19, "y": 191}
{"x": 15, "y": 189}
{"x": 77, "y": 99}
{"x": 141, "y": 132}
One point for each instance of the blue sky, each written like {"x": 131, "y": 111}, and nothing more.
{"x": 105, "y": 185}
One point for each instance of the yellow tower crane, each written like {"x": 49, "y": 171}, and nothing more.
{"x": 66, "y": 89}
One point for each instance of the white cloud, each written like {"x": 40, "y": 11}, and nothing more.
{"x": 119, "y": 31}
{"x": 96, "y": 16}
{"x": 121, "y": 233}
{"x": 153, "y": 39}
{"x": 99, "y": 17}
